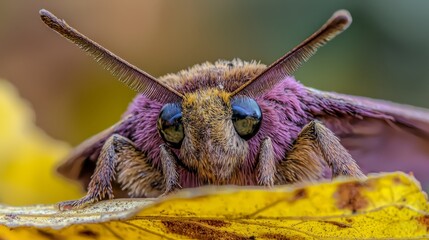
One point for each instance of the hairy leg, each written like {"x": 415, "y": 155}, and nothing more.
{"x": 266, "y": 167}
{"x": 135, "y": 174}
{"x": 316, "y": 147}
{"x": 336, "y": 156}
{"x": 169, "y": 168}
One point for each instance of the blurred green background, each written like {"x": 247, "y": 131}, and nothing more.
{"x": 384, "y": 54}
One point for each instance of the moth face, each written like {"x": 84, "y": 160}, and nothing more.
{"x": 211, "y": 130}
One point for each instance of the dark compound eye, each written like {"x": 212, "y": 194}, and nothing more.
{"x": 170, "y": 125}
{"x": 246, "y": 116}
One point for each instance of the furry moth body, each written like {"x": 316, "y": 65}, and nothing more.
{"x": 233, "y": 122}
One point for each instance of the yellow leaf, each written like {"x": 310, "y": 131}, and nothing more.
{"x": 28, "y": 156}
{"x": 384, "y": 206}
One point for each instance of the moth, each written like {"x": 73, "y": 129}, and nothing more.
{"x": 241, "y": 123}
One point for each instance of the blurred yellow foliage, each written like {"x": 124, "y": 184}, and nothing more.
{"x": 28, "y": 156}
{"x": 386, "y": 206}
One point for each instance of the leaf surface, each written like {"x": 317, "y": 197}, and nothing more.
{"x": 384, "y": 206}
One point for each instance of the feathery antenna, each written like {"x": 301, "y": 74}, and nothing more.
{"x": 127, "y": 73}
{"x": 291, "y": 61}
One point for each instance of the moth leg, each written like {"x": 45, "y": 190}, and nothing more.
{"x": 169, "y": 168}
{"x": 266, "y": 167}
{"x": 135, "y": 174}
{"x": 315, "y": 147}
{"x": 335, "y": 155}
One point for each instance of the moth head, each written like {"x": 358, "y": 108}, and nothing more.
{"x": 211, "y": 130}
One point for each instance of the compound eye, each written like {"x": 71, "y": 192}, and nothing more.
{"x": 170, "y": 125}
{"x": 246, "y": 116}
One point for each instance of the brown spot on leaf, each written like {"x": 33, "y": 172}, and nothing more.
{"x": 397, "y": 180}
{"x": 215, "y": 223}
{"x": 424, "y": 220}
{"x": 199, "y": 231}
{"x": 48, "y": 235}
{"x": 88, "y": 233}
{"x": 349, "y": 196}
{"x": 299, "y": 194}
{"x": 338, "y": 224}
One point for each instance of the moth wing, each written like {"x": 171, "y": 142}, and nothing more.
{"x": 380, "y": 145}
{"x": 71, "y": 166}
{"x": 413, "y": 117}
